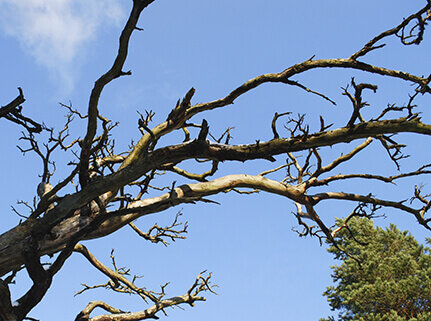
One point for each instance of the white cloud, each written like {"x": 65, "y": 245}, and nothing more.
{"x": 55, "y": 31}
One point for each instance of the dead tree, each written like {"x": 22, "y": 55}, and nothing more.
{"x": 110, "y": 186}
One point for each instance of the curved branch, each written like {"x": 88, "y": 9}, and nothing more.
{"x": 370, "y": 45}
{"x": 368, "y": 199}
{"x": 85, "y": 314}
{"x": 283, "y": 77}
{"x": 198, "y": 177}
{"x": 201, "y": 284}
{"x": 115, "y": 72}
{"x": 183, "y": 114}
{"x": 201, "y": 149}
{"x": 194, "y": 192}
{"x": 116, "y": 277}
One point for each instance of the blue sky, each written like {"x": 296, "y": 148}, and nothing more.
{"x": 55, "y": 50}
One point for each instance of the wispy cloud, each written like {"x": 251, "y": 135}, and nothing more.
{"x": 55, "y": 31}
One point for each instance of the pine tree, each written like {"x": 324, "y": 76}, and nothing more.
{"x": 393, "y": 281}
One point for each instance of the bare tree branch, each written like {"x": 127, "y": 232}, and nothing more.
{"x": 12, "y": 112}
{"x": 113, "y": 73}
{"x": 113, "y": 189}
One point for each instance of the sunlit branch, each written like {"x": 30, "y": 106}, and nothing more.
{"x": 386, "y": 179}
{"x": 284, "y": 76}
{"x": 192, "y": 193}
{"x": 220, "y": 152}
{"x": 198, "y": 177}
{"x": 371, "y": 200}
{"x": 115, "y": 72}
{"x": 342, "y": 159}
{"x": 112, "y": 185}
{"x": 122, "y": 284}
{"x": 274, "y": 169}
{"x": 113, "y": 275}
{"x": 201, "y": 284}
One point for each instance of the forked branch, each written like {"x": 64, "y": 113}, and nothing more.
{"x": 13, "y": 113}
{"x": 118, "y": 282}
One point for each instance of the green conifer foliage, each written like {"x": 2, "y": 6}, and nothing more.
{"x": 393, "y": 281}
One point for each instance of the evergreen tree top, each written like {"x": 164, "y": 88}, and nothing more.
{"x": 393, "y": 281}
